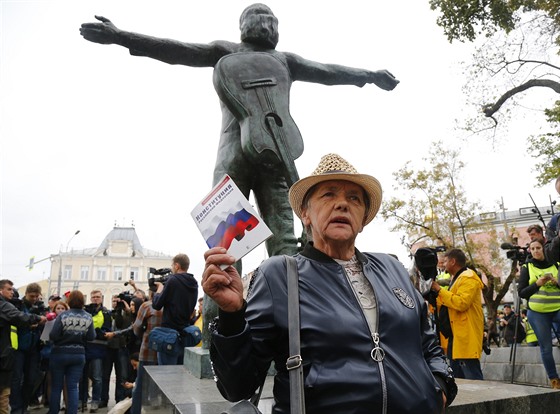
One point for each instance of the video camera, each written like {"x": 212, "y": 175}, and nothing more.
{"x": 515, "y": 252}
{"x": 39, "y": 308}
{"x": 163, "y": 274}
{"x": 425, "y": 262}
{"x": 124, "y": 297}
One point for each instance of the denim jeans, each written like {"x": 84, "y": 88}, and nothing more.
{"x": 65, "y": 368}
{"x": 119, "y": 358}
{"x": 542, "y": 325}
{"x": 467, "y": 369}
{"x": 94, "y": 370}
{"x": 26, "y": 378}
{"x": 141, "y": 390}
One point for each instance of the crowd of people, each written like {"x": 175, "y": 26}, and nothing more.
{"x": 68, "y": 350}
{"x": 62, "y": 355}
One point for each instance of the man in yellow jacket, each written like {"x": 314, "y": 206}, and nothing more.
{"x": 463, "y": 300}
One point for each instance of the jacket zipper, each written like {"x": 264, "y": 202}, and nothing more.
{"x": 377, "y": 353}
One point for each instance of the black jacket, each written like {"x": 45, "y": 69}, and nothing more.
{"x": 178, "y": 300}
{"x": 10, "y": 315}
{"x": 336, "y": 344}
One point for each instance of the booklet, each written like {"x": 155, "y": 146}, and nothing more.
{"x": 226, "y": 218}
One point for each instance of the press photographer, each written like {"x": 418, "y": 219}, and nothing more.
{"x": 27, "y": 375}
{"x": 177, "y": 295}
{"x": 11, "y": 320}
{"x": 117, "y": 348}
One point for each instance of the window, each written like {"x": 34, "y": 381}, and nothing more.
{"x": 101, "y": 273}
{"x": 118, "y": 273}
{"x": 84, "y": 273}
{"x": 67, "y": 272}
{"x": 134, "y": 273}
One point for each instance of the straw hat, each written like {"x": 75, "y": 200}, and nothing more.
{"x": 334, "y": 167}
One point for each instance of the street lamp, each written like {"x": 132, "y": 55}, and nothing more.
{"x": 59, "y": 284}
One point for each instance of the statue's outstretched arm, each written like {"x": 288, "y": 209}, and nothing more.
{"x": 330, "y": 74}
{"x": 167, "y": 50}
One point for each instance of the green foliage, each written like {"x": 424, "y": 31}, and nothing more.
{"x": 467, "y": 19}
{"x": 545, "y": 148}
{"x": 520, "y": 53}
{"x": 436, "y": 205}
{"x": 434, "y": 209}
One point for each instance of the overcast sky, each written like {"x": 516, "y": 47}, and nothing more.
{"x": 92, "y": 137}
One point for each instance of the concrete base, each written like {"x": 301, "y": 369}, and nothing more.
{"x": 528, "y": 368}
{"x": 185, "y": 394}
{"x": 197, "y": 362}
{"x": 492, "y": 397}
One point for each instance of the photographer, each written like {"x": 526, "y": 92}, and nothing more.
{"x": 177, "y": 298}
{"x": 96, "y": 350}
{"x": 507, "y": 325}
{"x": 117, "y": 348}
{"x": 27, "y": 376}
{"x": 10, "y": 317}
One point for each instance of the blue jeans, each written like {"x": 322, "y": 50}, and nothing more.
{"x": 65, "y": 368}
{"x": 542, "y": 325}
{"x": 140, "y": 389}
{"x": 94, "y": 370}
{"x": 26, "y": 378}
{"x": 119, "y": 358}
{"x": 467, "y": 369}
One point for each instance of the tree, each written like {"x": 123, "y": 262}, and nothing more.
{"x": 436, "y": 209}
{"x": 521, "y": 51}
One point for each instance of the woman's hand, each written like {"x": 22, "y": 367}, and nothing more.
{"x": 223, "y": 286}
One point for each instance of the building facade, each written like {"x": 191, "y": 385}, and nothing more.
{"x": 119, "y": 258}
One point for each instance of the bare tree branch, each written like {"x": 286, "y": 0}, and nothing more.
{"x": 491, "y": 109}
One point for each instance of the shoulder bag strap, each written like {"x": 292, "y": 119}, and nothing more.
{"x": 293, "y": 364}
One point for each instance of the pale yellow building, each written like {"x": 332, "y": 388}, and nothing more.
{"x": 119, "y": 258}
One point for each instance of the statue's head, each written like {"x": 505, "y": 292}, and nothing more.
{"x": 259, "y": 26}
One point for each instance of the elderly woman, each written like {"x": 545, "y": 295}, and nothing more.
{"x": 350, "y": 304}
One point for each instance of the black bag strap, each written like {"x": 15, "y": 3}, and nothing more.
{"x": 294, "y": 361}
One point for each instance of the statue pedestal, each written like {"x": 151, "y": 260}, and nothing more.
{"x": 197, "y": 362}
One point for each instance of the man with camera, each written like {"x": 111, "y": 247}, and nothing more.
{"x": 26, "y": 376}
{"x": 11, "y": 317}
{"x": 178, "y": 298}
{"x": 96, "y": 350}
{"x": 117, "y": 351}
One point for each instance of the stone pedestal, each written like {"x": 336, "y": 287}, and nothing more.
{"x": 197, "y": 362}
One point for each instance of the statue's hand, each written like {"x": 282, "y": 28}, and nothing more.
{"x": 384, "y": 79}
{"x": 105, "y": 33}
{"x": 223, "y": 286}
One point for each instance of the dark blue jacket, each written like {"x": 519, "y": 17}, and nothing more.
{"x": 336, "y": 344}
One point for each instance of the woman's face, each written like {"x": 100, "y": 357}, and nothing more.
{"x": 536, "y": 250}
{"x": 336, "y": 213}
{"x": 132, "y": 307}
{"x": 59, "y": 309}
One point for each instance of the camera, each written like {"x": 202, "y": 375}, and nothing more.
{"x": 515, "y": 252}
{"x": 123, "y": 297}
{"x": 163, "y": 273}
{"x": 38, "y": 308}
{"x": 426, "y": 260}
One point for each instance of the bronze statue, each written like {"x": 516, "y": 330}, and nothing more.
{"x": 259, "y": 140}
